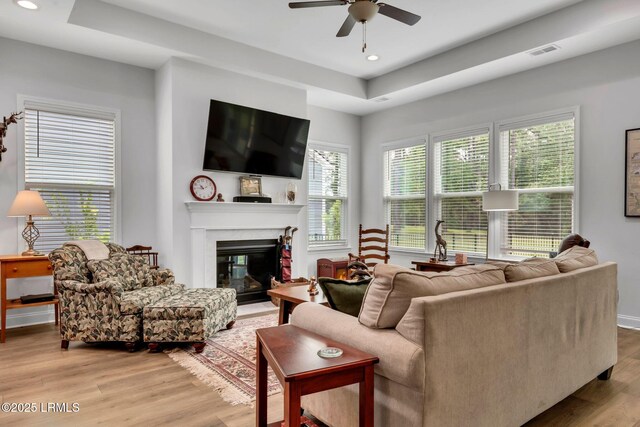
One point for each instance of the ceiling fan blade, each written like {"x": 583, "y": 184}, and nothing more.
{"x": 398, "y": 14}
{"x": 303, "y": 4}
{"x": 346, "y": 28}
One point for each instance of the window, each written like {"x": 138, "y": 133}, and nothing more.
{"x": 327, "y": 197}
{"x": 461, "y": 174}
{"x": 70, "y": 158}
{"x": 405, "y": 195}
{"x": 537, "y": 158}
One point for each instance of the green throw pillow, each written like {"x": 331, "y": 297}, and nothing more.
{"x": 343, "y": 295}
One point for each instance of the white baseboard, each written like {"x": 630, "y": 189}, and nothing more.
{"x": 18, "y": 320}
{"x": 628, "y": 321}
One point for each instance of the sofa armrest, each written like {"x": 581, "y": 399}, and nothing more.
{"x": 401, "y": 360}
{"x": 111, "y": 286}
{"x": 163, "y": 277}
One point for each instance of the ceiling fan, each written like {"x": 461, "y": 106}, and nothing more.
{"x": 361, "y": 11}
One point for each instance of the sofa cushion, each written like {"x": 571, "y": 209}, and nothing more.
{"x": 575, "y": 258}
{"x": 133, "y": 302}
{"x": 530, "y": 269}
{"x": 132, "y": 271}
{"x": 389, "y": 295}
{"x": 344, "y": 296}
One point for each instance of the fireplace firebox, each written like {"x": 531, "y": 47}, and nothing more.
{"x": 247, "y": 266}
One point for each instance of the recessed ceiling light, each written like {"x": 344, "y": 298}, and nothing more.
{"x": 373, "y": 57}
{"x": 27, "y": 4}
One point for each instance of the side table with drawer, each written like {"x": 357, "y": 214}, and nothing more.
{"x": 16, "y": 267}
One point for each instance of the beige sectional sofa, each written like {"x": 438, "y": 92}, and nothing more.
{"x": 495, "y": 355}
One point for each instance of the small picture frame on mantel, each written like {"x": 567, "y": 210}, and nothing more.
{"x": 251, "y": 185}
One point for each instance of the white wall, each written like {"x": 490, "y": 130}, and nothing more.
{"x": 606, "y": 86}
{"x": 336, "y": 128}
{"x": 192, "y": 86}
{"x": 188, "y": 87}
{"x": 49, "y": 73}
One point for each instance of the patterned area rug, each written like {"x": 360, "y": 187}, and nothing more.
{"x": 228, "y": 362}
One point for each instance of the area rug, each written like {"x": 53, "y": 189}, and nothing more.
{"x": 228, "y": 362}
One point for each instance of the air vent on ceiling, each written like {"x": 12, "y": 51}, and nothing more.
{"x": 543, "y": 50}
{"x": 382, "y": 99}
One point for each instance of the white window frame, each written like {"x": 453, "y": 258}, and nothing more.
{"x": 395, "y": 145}
{"x": 496, "y": 218}
{"x": 73, "y": 108}
{"x": 436, "y": 199}
{"x": 495, "y": 232}
{"x": 345, "y": 242}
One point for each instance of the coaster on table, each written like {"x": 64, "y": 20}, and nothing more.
{"x": 329, "y": 352}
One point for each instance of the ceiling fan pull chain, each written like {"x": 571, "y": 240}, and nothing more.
{"x": 364, "y": 36}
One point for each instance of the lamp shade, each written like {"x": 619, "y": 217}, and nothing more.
{"x": 500, "y": 200}
{"x": 28, "y": 202}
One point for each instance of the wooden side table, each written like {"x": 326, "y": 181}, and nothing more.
{"x": 291, "y": 297}
{"x": 292, "y": 354}
{"x": 18, "y": 266}
{"x": 437, "y": 267}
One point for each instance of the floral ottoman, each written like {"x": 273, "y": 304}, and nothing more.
{"x": 192, "y": 315}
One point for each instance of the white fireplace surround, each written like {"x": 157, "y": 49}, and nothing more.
{"x": 212, "y": 222}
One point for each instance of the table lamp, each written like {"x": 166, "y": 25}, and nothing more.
{"x": 498, "y": 201}
{"x": 29, "y": 203}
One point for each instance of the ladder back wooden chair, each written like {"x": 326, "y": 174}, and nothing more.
{"x": 145, "y": 251}
{"x": 373, "y": 244}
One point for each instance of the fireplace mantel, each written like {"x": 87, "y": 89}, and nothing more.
{"x": 231, "y": 207}
{"x": 211, "y": 222}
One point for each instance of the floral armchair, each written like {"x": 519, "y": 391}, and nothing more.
{"x": 107, "y": 310}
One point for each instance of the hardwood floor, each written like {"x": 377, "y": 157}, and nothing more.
{"x": 114, "y": 387}
{"x": 604, "y": 403}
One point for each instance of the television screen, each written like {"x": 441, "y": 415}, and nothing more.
{"x": 252, "y": 141}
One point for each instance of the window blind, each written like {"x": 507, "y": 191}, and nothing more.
{"x": 328, "y": 189}
{"x": 70, "y": 160}
{"x": 538, "y": 159}
{"x": 75, "y": 215}
{"x": 66, "y": 149}
{"x": 461, "y": 174}
{"x": 405, "y": 195}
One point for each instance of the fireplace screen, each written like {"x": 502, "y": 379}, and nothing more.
{"x": 247, "y": 266}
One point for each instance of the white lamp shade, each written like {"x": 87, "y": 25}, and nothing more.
{"x": 500, "y": 200}
{"x": 28, "y": 202}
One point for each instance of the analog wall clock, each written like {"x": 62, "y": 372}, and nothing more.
{"x": 203, "y": 188}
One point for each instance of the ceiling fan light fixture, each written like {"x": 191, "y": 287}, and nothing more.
{"x": 372, "y": 58}
{"x": 363, "y": 10}
{"x": 26, "y": 4}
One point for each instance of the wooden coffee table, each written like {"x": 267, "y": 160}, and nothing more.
{"x": 292, "y": 354}
{"x": 291, "y": 297}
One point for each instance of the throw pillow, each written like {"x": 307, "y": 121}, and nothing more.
{"x": 575, "y": 258}
{"x": 530, "y": 269}
{"x": 573, "y": 240}
{"x": 132, "y": 271}
{"x": 390, "y": 293}
{"x": 344, "y": 296}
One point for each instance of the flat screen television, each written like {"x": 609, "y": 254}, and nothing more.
{"x": 252, "y": 141}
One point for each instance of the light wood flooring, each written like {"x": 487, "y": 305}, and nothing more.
{"x": 116, "y": 388}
